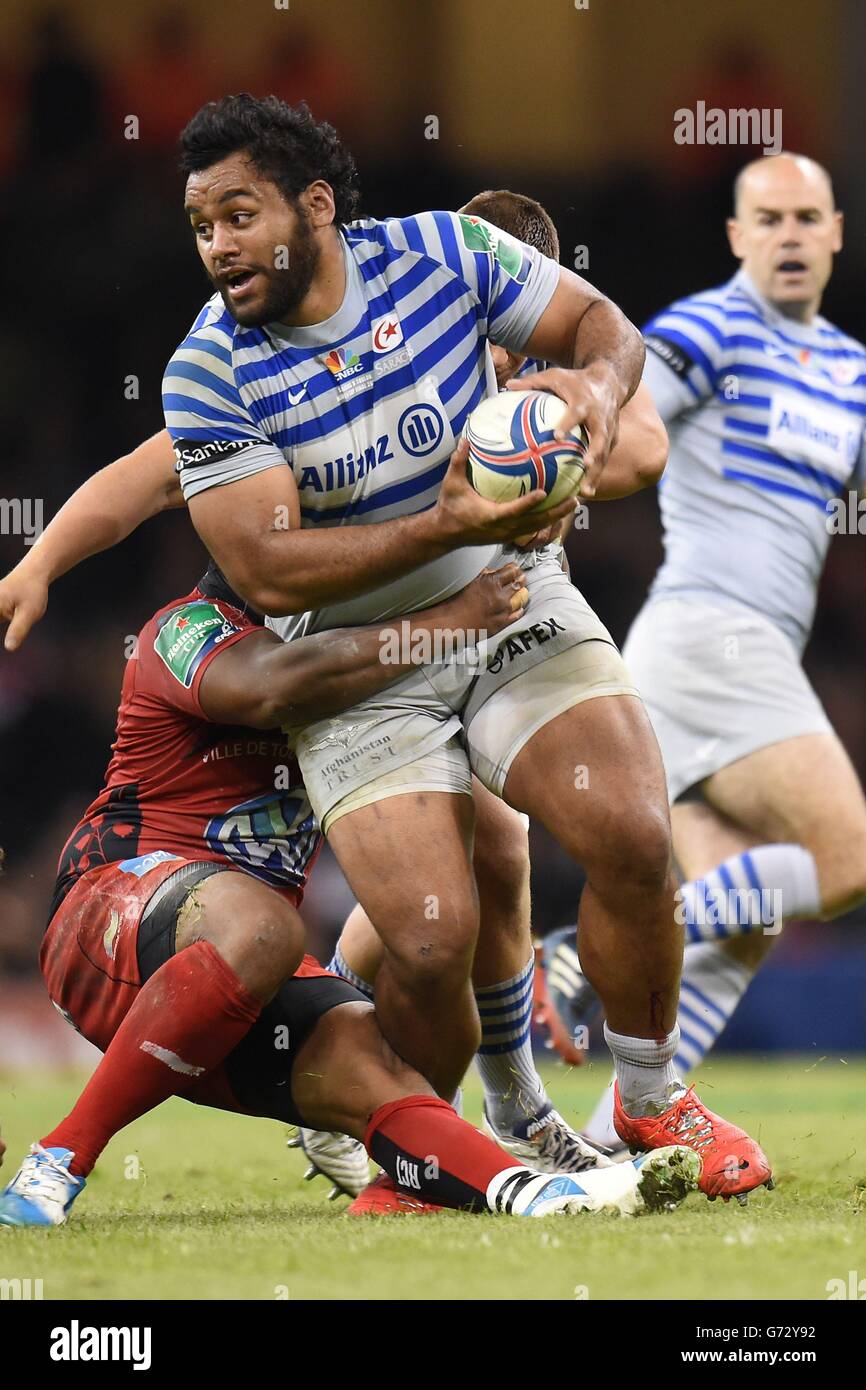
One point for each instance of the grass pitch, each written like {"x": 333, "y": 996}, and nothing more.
{"x": 194, "y": 1204}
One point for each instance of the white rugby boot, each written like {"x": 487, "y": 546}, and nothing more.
{"x": 657, "y": 1181}
{"x": 335, "y": 1156}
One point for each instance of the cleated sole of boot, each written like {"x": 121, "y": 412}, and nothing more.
{"x": 667, "y": 1176}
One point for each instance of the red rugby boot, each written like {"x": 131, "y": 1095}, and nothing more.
{"x": 382, "y": 1197}
{"x": 732, "y": 1162}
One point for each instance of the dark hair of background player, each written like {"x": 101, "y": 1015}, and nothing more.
{"x": 285, "y": 143}
{"x": 519, "y": 215}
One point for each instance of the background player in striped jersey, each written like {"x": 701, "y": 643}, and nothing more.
{"x": 284, "y": 402}
{"x": 127, "y": 492}
{"x": 765, "y": 404}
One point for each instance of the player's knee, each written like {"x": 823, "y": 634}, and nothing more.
{"x": 276, "y": 934}
{"x": 839, "y": 853}
{"x": 258, "y": 933}
{"x": 647, "y": 853}
{"x": 437, "y": 951}
{"x": 637, "y": 854}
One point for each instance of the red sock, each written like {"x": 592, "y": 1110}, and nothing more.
{"x": 185, "y": 1020}
{"x": 423, "y": 1144}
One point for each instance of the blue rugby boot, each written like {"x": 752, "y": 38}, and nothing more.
{"x": 42, "y": 1191}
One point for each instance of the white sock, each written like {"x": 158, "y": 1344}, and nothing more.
{"x": 599, "y": 1128}
{"x": 514, "y": 1094}
{"x": 645, "y": 1071}
{"x": 749, "y": 892}
{"x": 712, "y": 986}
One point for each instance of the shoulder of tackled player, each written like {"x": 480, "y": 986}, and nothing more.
{"x": 180, "y": 642}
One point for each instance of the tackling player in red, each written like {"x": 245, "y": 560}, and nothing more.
{"x": 175, "y": 943}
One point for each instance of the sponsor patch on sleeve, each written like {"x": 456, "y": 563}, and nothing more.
{"x": 479, "y": 235}
{"x": 670, "y": 353}
{"x": 188, "y": 635}
{"x": 194, "y": 453}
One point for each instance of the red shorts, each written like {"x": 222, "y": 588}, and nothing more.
{"x": 89, "y": 956}
{"x": 90, "y": 963}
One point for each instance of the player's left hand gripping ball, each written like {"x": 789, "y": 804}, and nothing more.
{"x": 592, "y": 407}
{"x": 515, "y": 449}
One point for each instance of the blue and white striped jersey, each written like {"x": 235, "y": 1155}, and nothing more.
{"x": 766, "y": 421}
{"x": 366, "y": 407}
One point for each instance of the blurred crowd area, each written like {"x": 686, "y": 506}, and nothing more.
{"x": 100, "y": 281}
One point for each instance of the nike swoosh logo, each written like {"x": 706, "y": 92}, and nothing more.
{"x": 295, "y": 396}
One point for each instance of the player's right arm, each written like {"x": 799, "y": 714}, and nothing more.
{"x": 100, "y": 514}
{"x": 252, "y": 529}
{"x": 266, "y": 683}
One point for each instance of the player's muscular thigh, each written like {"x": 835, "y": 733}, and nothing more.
{"x": 805, "y": 791}
{"x": 501, "y": 866}
{"x": 407, "y": 859}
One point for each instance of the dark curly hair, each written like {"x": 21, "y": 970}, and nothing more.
{"x": 285, "y": 143}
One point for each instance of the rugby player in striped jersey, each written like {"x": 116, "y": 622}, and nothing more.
{"x": 517, "y": 1108}
{"x": 765, "y": 403}
{"x": 328, "y": 385}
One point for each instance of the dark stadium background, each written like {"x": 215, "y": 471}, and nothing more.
{"x": 98, "y": 279}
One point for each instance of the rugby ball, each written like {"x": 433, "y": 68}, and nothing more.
{"x": 512, "y": 449}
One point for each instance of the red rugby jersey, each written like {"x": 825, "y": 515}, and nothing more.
{"x": 178, "y": 783}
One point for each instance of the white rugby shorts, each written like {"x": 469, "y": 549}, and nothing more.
{"x": 436, "y": 726}
{"x": 719, "y": 681}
